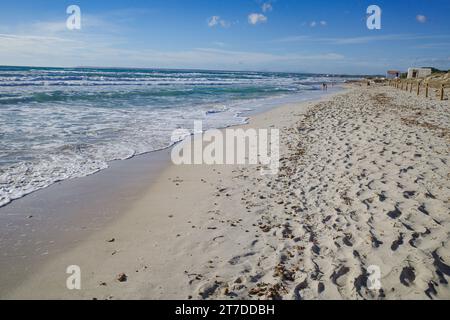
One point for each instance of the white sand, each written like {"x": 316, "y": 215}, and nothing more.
{"x": 364, "y": 181}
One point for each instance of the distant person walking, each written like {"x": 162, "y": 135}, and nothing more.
{"x": 324, "y": 87}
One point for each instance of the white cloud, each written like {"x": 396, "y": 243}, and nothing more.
{"x": 314, "y": 24}
{"x": 51, "y": 27}
{"x": 266, "y": 7}
{"x": 256, "y": 18}
{"x": 219, "y": 44}
{"x": 362, "y": 40}
{"x": 55, "y": 51}
{"x": 215, "y": 21}
{"x": 51, "y": 51}
{"x": 433, "y": 45}
{"x": 421, "y": 18}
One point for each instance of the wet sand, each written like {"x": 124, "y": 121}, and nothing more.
{"x": 42, "y": 225}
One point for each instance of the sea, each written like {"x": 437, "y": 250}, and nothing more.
{"x": 63, "y": 123}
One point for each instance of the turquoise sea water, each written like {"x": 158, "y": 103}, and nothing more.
{"x": 59, "y": 123}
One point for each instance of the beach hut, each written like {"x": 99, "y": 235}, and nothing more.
{"x": 416, "y": 73}
{"x": 393, "y": 74}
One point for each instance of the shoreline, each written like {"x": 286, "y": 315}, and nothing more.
{"x": 363, "y": 183}
{"x": 264, "y": 103}
{"x": 83, "y": 220}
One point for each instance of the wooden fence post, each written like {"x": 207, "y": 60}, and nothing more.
{"x": 426, "y": 90}
{"x": 442, "y": 92}
{"x": 410, "y": 88}
{"x": 418, "y": 88}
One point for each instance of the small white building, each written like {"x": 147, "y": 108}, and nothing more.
{"x": 416, "y": 73}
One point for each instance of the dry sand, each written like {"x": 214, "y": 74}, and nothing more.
{"x": 365, "y": 180}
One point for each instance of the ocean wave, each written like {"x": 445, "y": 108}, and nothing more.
{"x": 60, "y": 124}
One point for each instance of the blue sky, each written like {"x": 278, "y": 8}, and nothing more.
{"x": 283, "y": 35}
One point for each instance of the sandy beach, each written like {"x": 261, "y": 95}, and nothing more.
{"x": 364, "y": 181}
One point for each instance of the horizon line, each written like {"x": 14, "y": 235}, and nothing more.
{"x": 193, "y": 69}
